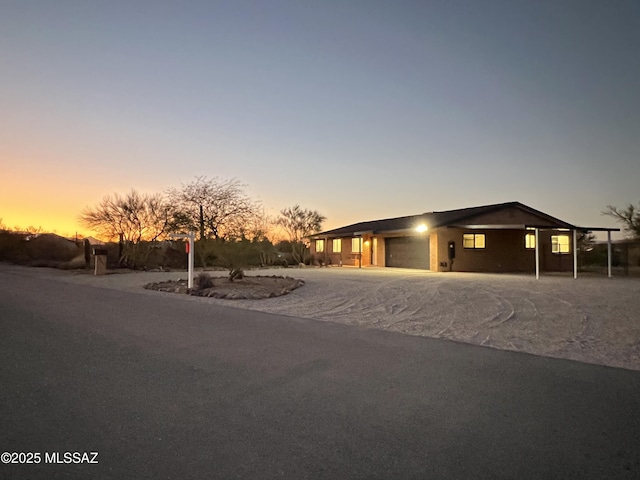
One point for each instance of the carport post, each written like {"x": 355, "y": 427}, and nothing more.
{"x": 575, "y": 254}
{"x": 609, "y": 253}
{"x": 537, "y": 231}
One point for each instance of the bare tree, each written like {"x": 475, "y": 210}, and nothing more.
{"x": 299, "y": 223}
{"x": 629, "y": 218}
{"x": 214, "y": 208}
{"x": 259, "y": 226}
{"x": 131, "y": 218}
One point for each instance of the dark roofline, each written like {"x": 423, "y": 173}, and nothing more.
{"x": 472, "y": 211}
{"x": 438, "y": 219}
{"x": 597, "y": 229}
{"x": 360, "y": 227}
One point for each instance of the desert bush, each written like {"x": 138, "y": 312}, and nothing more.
{"x": 46, "y": 249}
{"x": 203, "y": 281}
{"x": 13, "y": 247}
{"x": 235, "y": 255}
{"x": 175, "y": 256}
{"x": 51, "y": 247}
{"x": 206, "y": 253}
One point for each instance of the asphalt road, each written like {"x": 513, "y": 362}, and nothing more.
{"x": 165, "y": 387}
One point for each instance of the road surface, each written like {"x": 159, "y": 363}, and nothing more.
{"x": 162, "y": 386}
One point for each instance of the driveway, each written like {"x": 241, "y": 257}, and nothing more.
{"x": 591, "y": 319}
{"x": 170, "y": 387}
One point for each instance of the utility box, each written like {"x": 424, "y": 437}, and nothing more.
{"x": 100, "y": 258}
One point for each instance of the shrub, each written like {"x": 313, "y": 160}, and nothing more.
{"x": 203, "y": 281}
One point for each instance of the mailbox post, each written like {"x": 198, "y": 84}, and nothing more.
{"x": 100, "y": 256}
{"x": 191, "y": 236}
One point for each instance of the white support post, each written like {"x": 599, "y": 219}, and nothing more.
{"x": 191, "y": 258}
{"x": 191, "y": 237}
{"x": 537, "y": 232}
{"x": 575, "y": 254}
{"x": 609, "y": 254}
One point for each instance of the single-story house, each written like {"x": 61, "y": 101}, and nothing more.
{"x": 505, "y": 237}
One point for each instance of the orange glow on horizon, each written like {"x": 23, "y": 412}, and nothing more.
{"x": 60, "y": 225}
{"x": 45, "y": 203}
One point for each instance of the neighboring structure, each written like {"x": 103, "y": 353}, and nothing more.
{"x": 506, "y": 237}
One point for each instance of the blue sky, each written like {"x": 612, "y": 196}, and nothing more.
{"x": 359, "y": 109}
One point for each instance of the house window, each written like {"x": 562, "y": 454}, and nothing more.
{"x": 319, "y": 245}
{"x": 560, "y": 244}
{"x": 473, "y": 240}
{"x": 530, "y": 240}
{"x": 336, "y": 246}
{"x": 356, "y": 245}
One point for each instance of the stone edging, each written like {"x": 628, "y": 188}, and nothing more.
{"x": 180, "y": 287}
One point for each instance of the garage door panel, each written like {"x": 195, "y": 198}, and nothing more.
{"x": 407, "y": 252}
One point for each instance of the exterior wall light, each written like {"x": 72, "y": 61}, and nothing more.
{"x": 422, "y": 228}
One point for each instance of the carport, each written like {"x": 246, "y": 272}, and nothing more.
{"x": 536, "y": 229}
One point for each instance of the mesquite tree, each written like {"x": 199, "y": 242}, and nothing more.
{"x": 299, "y": 223}
{"x": 131, "y": 218}
{"x": 629, "y": 217}
{"x": 217, "y": 209}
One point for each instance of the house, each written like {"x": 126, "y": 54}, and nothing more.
{"x": 490, "y": 238}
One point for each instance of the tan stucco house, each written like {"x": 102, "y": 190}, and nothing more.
{"x": 506, "y": 237}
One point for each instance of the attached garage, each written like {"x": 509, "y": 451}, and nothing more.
{"x": 407, "y": 252}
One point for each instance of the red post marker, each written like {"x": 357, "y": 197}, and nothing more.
{"x": 186, "y": 247}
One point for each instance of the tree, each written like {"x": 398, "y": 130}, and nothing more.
{"x": 299, "y": 223}
{"x": 214, "y": 208}
{"x": 132, "y": 218}
{"x": 629, "y": 218}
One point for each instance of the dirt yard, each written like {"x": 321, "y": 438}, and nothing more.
{"x": 591, "y": 319}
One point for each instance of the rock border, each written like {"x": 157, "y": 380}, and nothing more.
{"x": 180, "y": 286}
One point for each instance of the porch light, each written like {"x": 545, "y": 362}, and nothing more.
{"x": 422, "y": 228}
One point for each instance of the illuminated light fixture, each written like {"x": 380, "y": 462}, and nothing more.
{"x": 366, "y": 242}
{"x": 422, "y": 228}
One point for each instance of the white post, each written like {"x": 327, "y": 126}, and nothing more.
{"x": 609, "y": 253}
{"x": 191, "y": 258}
{"x": 575, "y": 254}
{"x": 191, "y": 237}
{"x": 537, "y": 231}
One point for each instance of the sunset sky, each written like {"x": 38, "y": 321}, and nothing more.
{"x": 358, "y": 109}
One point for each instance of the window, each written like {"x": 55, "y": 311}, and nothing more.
{"x": 319, "y": 245}
{"x": 530, "y": 240}
{"x": 473, "y": 240}
{"x": 356, "y": 245}
{"x": 336, "y": 246}
{"x": 559, "y": 243}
